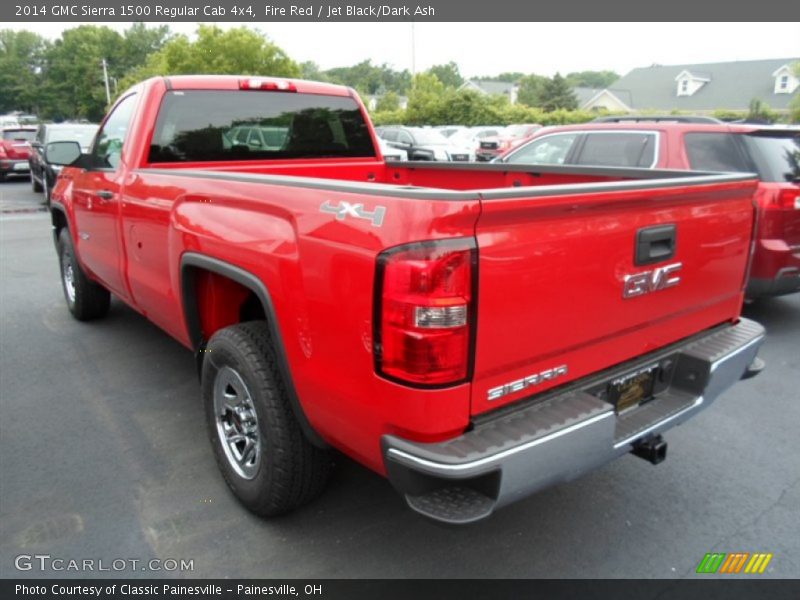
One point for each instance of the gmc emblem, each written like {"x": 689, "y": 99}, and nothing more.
{"x": 643, "y": 283}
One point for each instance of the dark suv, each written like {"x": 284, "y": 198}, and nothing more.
{"x": 772, "y": 152}
{"x": 43, "y": 174}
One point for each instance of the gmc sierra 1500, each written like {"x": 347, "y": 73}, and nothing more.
{"x": 473, "y": 332}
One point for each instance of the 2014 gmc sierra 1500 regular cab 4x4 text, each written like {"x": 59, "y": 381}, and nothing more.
{"x": 472, "y": 332}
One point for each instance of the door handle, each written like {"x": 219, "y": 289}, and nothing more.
{"x": 655, "y": 244}
{"x": 105, "y": 194}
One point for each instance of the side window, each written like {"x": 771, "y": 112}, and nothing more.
{"x": 390, "y": 135}
{"x": 404, "y": 137}
{"x": 241, "y": 136}
{"x": 715, "y": 152}
{"x": 624, "y": 149}
{"x": 254, "y": 139}
{"x": 550, "y": 150}
{"x": 107, "y": 149}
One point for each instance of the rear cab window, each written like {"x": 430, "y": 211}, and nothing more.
{"x": 618, "y": 149}
{"x": 225, "y": 125}
{"x": 776, "y": 155}
{"x": 716, "y": 152}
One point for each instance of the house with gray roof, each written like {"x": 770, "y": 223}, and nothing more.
{"x": 700, "y": 88}
{"x": 493, "y": 88}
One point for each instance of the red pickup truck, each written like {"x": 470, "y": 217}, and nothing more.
{"x": 472, "y": 332}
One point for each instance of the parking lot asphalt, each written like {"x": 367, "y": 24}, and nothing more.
{"x": 104, "y": 455}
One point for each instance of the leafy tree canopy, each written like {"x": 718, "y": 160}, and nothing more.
{"x": 237, "y": 51}
{"x": 556, "y": 94}
{"x": 592, "y": 79}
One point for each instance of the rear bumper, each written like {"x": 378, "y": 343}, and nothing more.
{"x": 786, "y": 282}
{"x": 775, "y": 270}
{"x": 522, "y": 451}
{"x": 15, "y": 166}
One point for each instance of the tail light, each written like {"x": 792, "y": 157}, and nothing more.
{"x": 2, "y": 152}
{"x": 425, "y": 312}
{"x": 255, "y": 83}
{"x": 789, "y": 198}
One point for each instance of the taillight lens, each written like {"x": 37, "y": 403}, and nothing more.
{"x": 2, "y": 152}
{"x": 789, "y": 198}
{"x": 425, "y": 312}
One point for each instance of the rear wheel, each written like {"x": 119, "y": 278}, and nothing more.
{"x": 264, "y": 457}
{"x": 86, "y": 299}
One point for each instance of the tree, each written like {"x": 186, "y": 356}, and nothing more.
{"x": 592, "y": 79}
{"x": 310, "y": 70}
{"x": 389, "y": 101}
{"x": 139, "y": 42}
{"x": 237, "y": 51}
{"x": 759, "y": 112}
{"x": 794, "y": 105}
{"x": 530, "y": 89}
{"x": 21, "y": 60}
{"x": 506, "y": 77}
{"x": 448, "y": 74}
{"x": 372, "y": 79}
{"x": 73, "y": 72}
{"x": 556, "y": 93}
{"x": 425, "y": 99}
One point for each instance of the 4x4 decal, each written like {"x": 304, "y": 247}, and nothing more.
{"x": 345, "y": 209}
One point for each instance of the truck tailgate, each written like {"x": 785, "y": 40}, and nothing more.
{"x": 555, "y": 264}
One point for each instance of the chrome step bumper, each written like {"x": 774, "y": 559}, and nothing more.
{"x": 505, "y": 459}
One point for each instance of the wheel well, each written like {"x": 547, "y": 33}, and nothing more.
{"x": 59, "y": 221}
{"x": 217, "y": 301}
{"x": 217, "y": 294}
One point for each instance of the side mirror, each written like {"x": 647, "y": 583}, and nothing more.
{"x": 62, "y": 153}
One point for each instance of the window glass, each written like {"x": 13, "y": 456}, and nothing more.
{"x": 776, "y": 156}
{"x": 404, "y": 137}
{"x": 203, "y": 125}
{"x": 19, "y": 135}
{"x": 549, "y": 150}
{"x": 715, "y": 152}
{"x": 108, "y": 147}
{"x": 618, "y": 149}
{"x": 83, "y": 134}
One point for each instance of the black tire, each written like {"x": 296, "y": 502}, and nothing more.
{"x": 288, "y": 471}
{"x": 87, "y": 300}
{"x": 36, "y": 185}
{"x": 46, "y": 191}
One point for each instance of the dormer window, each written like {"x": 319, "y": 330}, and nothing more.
{"x": 786, "y": 80}
{"x": 689, "y": 83}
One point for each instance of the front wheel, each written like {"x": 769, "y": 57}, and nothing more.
{"x": 264, "y": 457}
{"x": 86, "y": 299}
